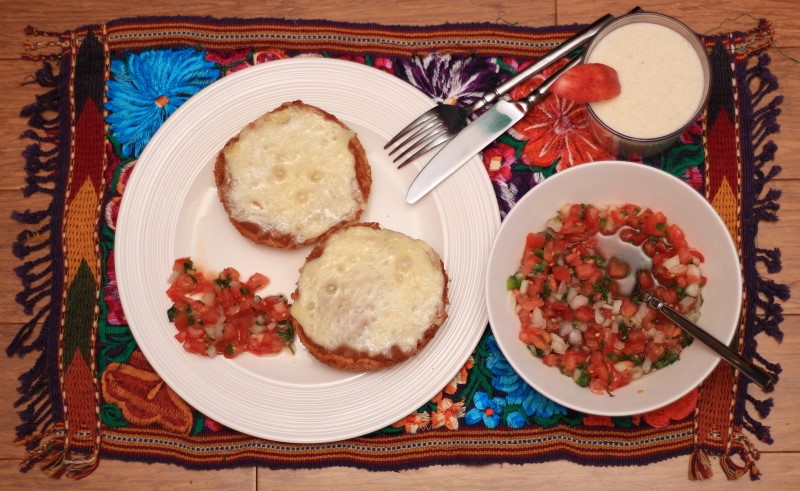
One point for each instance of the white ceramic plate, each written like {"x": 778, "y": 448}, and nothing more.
{"x": 608, "y": 183}
{"x": 171, "y": 209}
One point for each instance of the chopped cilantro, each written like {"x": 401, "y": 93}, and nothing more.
{"x": 229, "y": 349}
{"x": 244, "y": 291}
{"x": 539, "y": 253}
{"x": 583, "y": 378}
{"x": 670, "y": 357}
{"x": 661, "y": 226}
{"x": 603, "y": 222}
{"x": 687, "y": 340}
{"x": 188, "y": 265}
{"x": 171, "y": 313}
{"x": 539, "y": 268}
{"x": 286, "y": 333}
{"x": 623, "y": 331}
{"x": 224, "y": 282}
{"x": 546, "y": 290}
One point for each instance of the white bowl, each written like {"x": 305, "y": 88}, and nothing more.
{"x": 609, "y": 183}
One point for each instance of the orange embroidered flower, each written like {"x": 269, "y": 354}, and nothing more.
{"x": 447, "y": 414}
{"x": 460, "y": 378}
{"x": 414, "y": 422}
{"x": 555, "y": 128}
{"x": 143, "y": 396}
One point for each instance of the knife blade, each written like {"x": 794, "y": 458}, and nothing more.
{"x": 477, "y": 135}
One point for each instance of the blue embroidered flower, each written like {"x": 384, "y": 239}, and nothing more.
{"x": 447, "y": 78}
{"x": 149, "y": 86}
{"x": 488, "y": 410}
{"x": 518, "y": 393}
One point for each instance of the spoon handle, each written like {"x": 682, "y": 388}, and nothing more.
{"x": 758, "y": 375}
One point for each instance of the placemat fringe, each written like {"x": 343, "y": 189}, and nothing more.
{"x": 35, "y": 246}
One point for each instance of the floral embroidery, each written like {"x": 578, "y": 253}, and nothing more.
{"x": 148, "y": 87}
{"x": 487, "y": 410}
{"x": 115, "y": 316}
{"x": 143, "y": 396}
{"x": 555, "y": 129}
{"x": 447, "y": 413}
{"x": 414, "y": 422}
{"x": 237, "y": 60}
{"x": 449, "y": 78}
{"x": 498, "y": 160}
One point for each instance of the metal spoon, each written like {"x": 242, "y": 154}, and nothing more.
{"x": 612, "y": 245}
{"x": 755, "y": 373}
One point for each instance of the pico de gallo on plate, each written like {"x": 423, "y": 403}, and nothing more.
{"x": 222, "y": 314}
{"x": 571, "y": 310}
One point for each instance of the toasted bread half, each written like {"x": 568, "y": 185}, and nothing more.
{"x": 292, "y": 176}
{"x": 369, "y": 298}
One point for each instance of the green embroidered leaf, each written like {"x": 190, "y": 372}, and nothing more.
{"x": 111, "y": 415}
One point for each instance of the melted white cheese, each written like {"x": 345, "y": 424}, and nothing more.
{"x": 292, "y": 172}
{"x": 369, "y": 290}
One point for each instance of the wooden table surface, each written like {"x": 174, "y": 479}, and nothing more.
{"x": 778, "y": 461}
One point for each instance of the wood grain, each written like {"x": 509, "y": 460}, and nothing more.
{"x": 778, "y": 460}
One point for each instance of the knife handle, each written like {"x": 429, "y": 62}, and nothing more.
{"x": 556, "y": 54}
{"x": 544, "y": 87}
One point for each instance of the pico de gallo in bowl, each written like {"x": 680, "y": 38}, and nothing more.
{"x": 574, "y": 285}
{"x": 222, "y": 314}
{"x": 572, "y": 312}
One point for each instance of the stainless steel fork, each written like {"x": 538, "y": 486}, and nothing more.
{"x": 441, "y": 123}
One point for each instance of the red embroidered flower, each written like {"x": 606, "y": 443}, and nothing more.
{"x": 498, "y": 160}
{"x": 555, "y": 128}
{"x": 115, "y": 317}
{"x": 269, "y": 55}
{"x": 675, "y": 411}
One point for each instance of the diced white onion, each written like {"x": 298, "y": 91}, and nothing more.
{"x": 647, "y": 365}
{"x": 523, "y": 286}
{"x": 558, "y": 345}
{"x": 636, "y": 372}
{"x": 650, "y": 333}
{"x": 659, "y": 337}
{"x": 564, "y": 328}
{"x": 671, "y": 262}
{"x": 616, "y": 306}
{"x": 679, "y": 269}
{"x": 257, "y": 328}
{"x": 619, "y": 345}
{"x": 208, "y": 298}
{"x": 554, "y": 224}
{"x": 211, "y": 351}
{"x": 581, "y": 326}
{"x": 571, "y": 293}
{"x": 621, "y": 366}
{"x": 576, "y": 337}
{"x": 562, "y": 289}
{"x": 692, "y": 289}
{"x": 614, "y": 327}
{"x": 578, "y": 302}
{"x": 537, "y": 319}
{"x": 639, "y": 315}
{"x": 598, "y": 316}
{"x": 564, "y": 211}
{"x": 686, "y": 303}
{"x": 693, "y": 270}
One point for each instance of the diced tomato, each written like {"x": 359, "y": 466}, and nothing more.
{"x": 617, "y": 269}
{"x": 569, "y": 257}
{"x": 200, "y": 305}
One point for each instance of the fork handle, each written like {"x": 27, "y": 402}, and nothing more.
{"x": 559, "y": 52}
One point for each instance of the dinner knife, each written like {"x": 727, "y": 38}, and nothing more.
{"x": 477, "y": 135}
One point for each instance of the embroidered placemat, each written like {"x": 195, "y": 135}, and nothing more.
{"x": 92, "y": 395}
